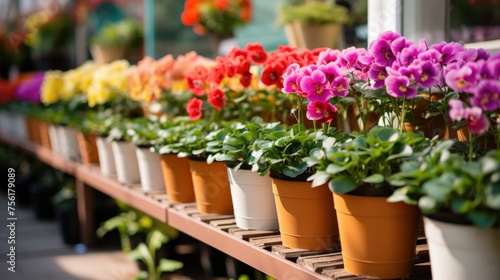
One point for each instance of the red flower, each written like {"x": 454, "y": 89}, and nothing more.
{"x": 216, "y": 98}
{"x": 221, "y": 4}
{"x": 256, "y": 53}
{"x": 196, "y": 80}
{"x": 271, "y": 75}
{"x": 193, "y": 108}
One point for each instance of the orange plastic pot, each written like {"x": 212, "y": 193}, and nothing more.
{"x": 33, "y": 130}
{"x": 44, "y": 134}
{"x": 211, "y": 187}
{"x": 306, "y": 216}
{"x": 177, "y": 177}
{"x": 378, "y": 238}
{"x": 88, "y": 148}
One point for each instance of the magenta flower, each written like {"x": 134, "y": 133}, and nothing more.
{"x": 382, "y": 53}
{"x": 430, "y": 74}
{"x": 377, "y": 75}
{"x": 482, "y": 54}
{"x": 476, "y": 121}
{"x": 389, "y": 36}
{"x": 339, "y": 86}
{"x": 328, "y": 56}
{"x": 412, "y": 72}
{"x": 457, "y": 110}
{"x": 463, "y": 79}
{"x": 321, "y": 111}
{"x": 494, "y": 66}
{"x": 400, "y": 44}
{"x": 290, "y": 84}
{"x": 316, "y": 86}
{"x": 29, "y": 90}
{"x": 448, "y": 51}
{"x": 487, "y": 95}
{"x": 330, "y": 70}
{"x": 399, "y": 86}
{"x": 348, "y": 59}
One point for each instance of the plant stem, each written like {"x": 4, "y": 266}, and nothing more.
{"x": 471, "y": 143}
{"x": 403, "y": 114}
{"x": 299, "y": 111}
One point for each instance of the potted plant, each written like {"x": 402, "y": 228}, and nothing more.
{"x": 460, "y": 203}
{"x": 217, "y": 19}
{"x": 233, "y": 145}
{"x": 357, "y": 172}
{"x": 116, "y": 40}
{"x": 311, "y": 24}
{"x": 143, "y": 135}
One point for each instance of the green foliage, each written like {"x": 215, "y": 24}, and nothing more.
{"x": 283, "y": 151}
{"x": 234, "y": 143}
{"x": 147, "y": 253}
{"x": 368, "y": 160}
{"x": 126, "y": 34}
{"x": 313, "y": 12}
{"x": 54, "y": 35}
{"x": 445, "y": 182}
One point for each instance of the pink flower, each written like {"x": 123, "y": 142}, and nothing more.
{"x": 321, "y": 111}
{"x": 487, "y": 95}
{"x": 476, "y": 121}
{"x": 399, "y": 86}
{"x": 457, "y": 110}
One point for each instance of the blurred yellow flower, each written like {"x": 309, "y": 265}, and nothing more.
{"x": 108, "y": 81}
{"x": 51, "y": 87}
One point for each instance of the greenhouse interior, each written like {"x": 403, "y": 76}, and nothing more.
{"x": 250, "y": 139}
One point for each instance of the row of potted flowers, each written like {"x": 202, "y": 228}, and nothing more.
{"x": 302, "y": 123}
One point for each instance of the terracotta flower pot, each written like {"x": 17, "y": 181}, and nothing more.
{"x": 306, "y": 215}
{"x": 178, "y": 180}
{"x": 44, "y": 134}
{"x": 88, "y": 148}
{"x": 248, "y": 187}
{"x": 33, "y": 130}
{"x": 378, "y": 238}
{"x": 211, "y": 187}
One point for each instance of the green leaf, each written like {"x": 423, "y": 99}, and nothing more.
{"x": 386, "y": 134}
{"x": 440, "y": 188}
{"x": 482, "y": 219}
{"x": 319, "y": 178}
{"x": 156, "y": 238}
{"x": 374, "y": 179}
{"x": 317, "y": 154}
{"x": 427, "y": 204}
{"x": 294, "y": 170}
{"x": 142, "y": 275}
{"x": 333, "y": 169}
{"x": 400, "y": 150}
{"x": 342, "y": 184}
{"x": 167, "y": 265}
{"x": 460, "y": 205}
{"x": 493, "y": 195}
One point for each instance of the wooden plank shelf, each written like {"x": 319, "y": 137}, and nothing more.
{"x": 151, "y": 204}
{"x": 264, "y": 250}
{"x": 43, "y": 154}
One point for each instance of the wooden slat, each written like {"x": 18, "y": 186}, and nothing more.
{"x": 290, "y": 253}
{"x": 266, "y": 242}
{"x": 247, "y": 234}
{"x": 223, "y": 222}
{"x": 318, "y": 263}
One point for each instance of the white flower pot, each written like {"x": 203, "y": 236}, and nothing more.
{"x": 3, "y": 123}
{"x": 462, "y": 252}
{"x": 68, "y": 143}
{"x": 127, "y": 169}
{"x": 106, "y": 157}
{"x": 253, "y": 200}
{"x": 18, "y": 126}
{"x": 54, "y": 139}
{"x": 150, "y": 171}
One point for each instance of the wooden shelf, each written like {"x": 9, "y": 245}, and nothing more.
{"x": 259, "y": 249}
{"x": 153, "y": 205}
{"x": 261, "y": 259}
{"x": 42, "y": 153}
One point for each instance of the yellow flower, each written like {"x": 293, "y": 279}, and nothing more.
{"x": 51, "y": 87}
{"x": 107, "y": 82}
